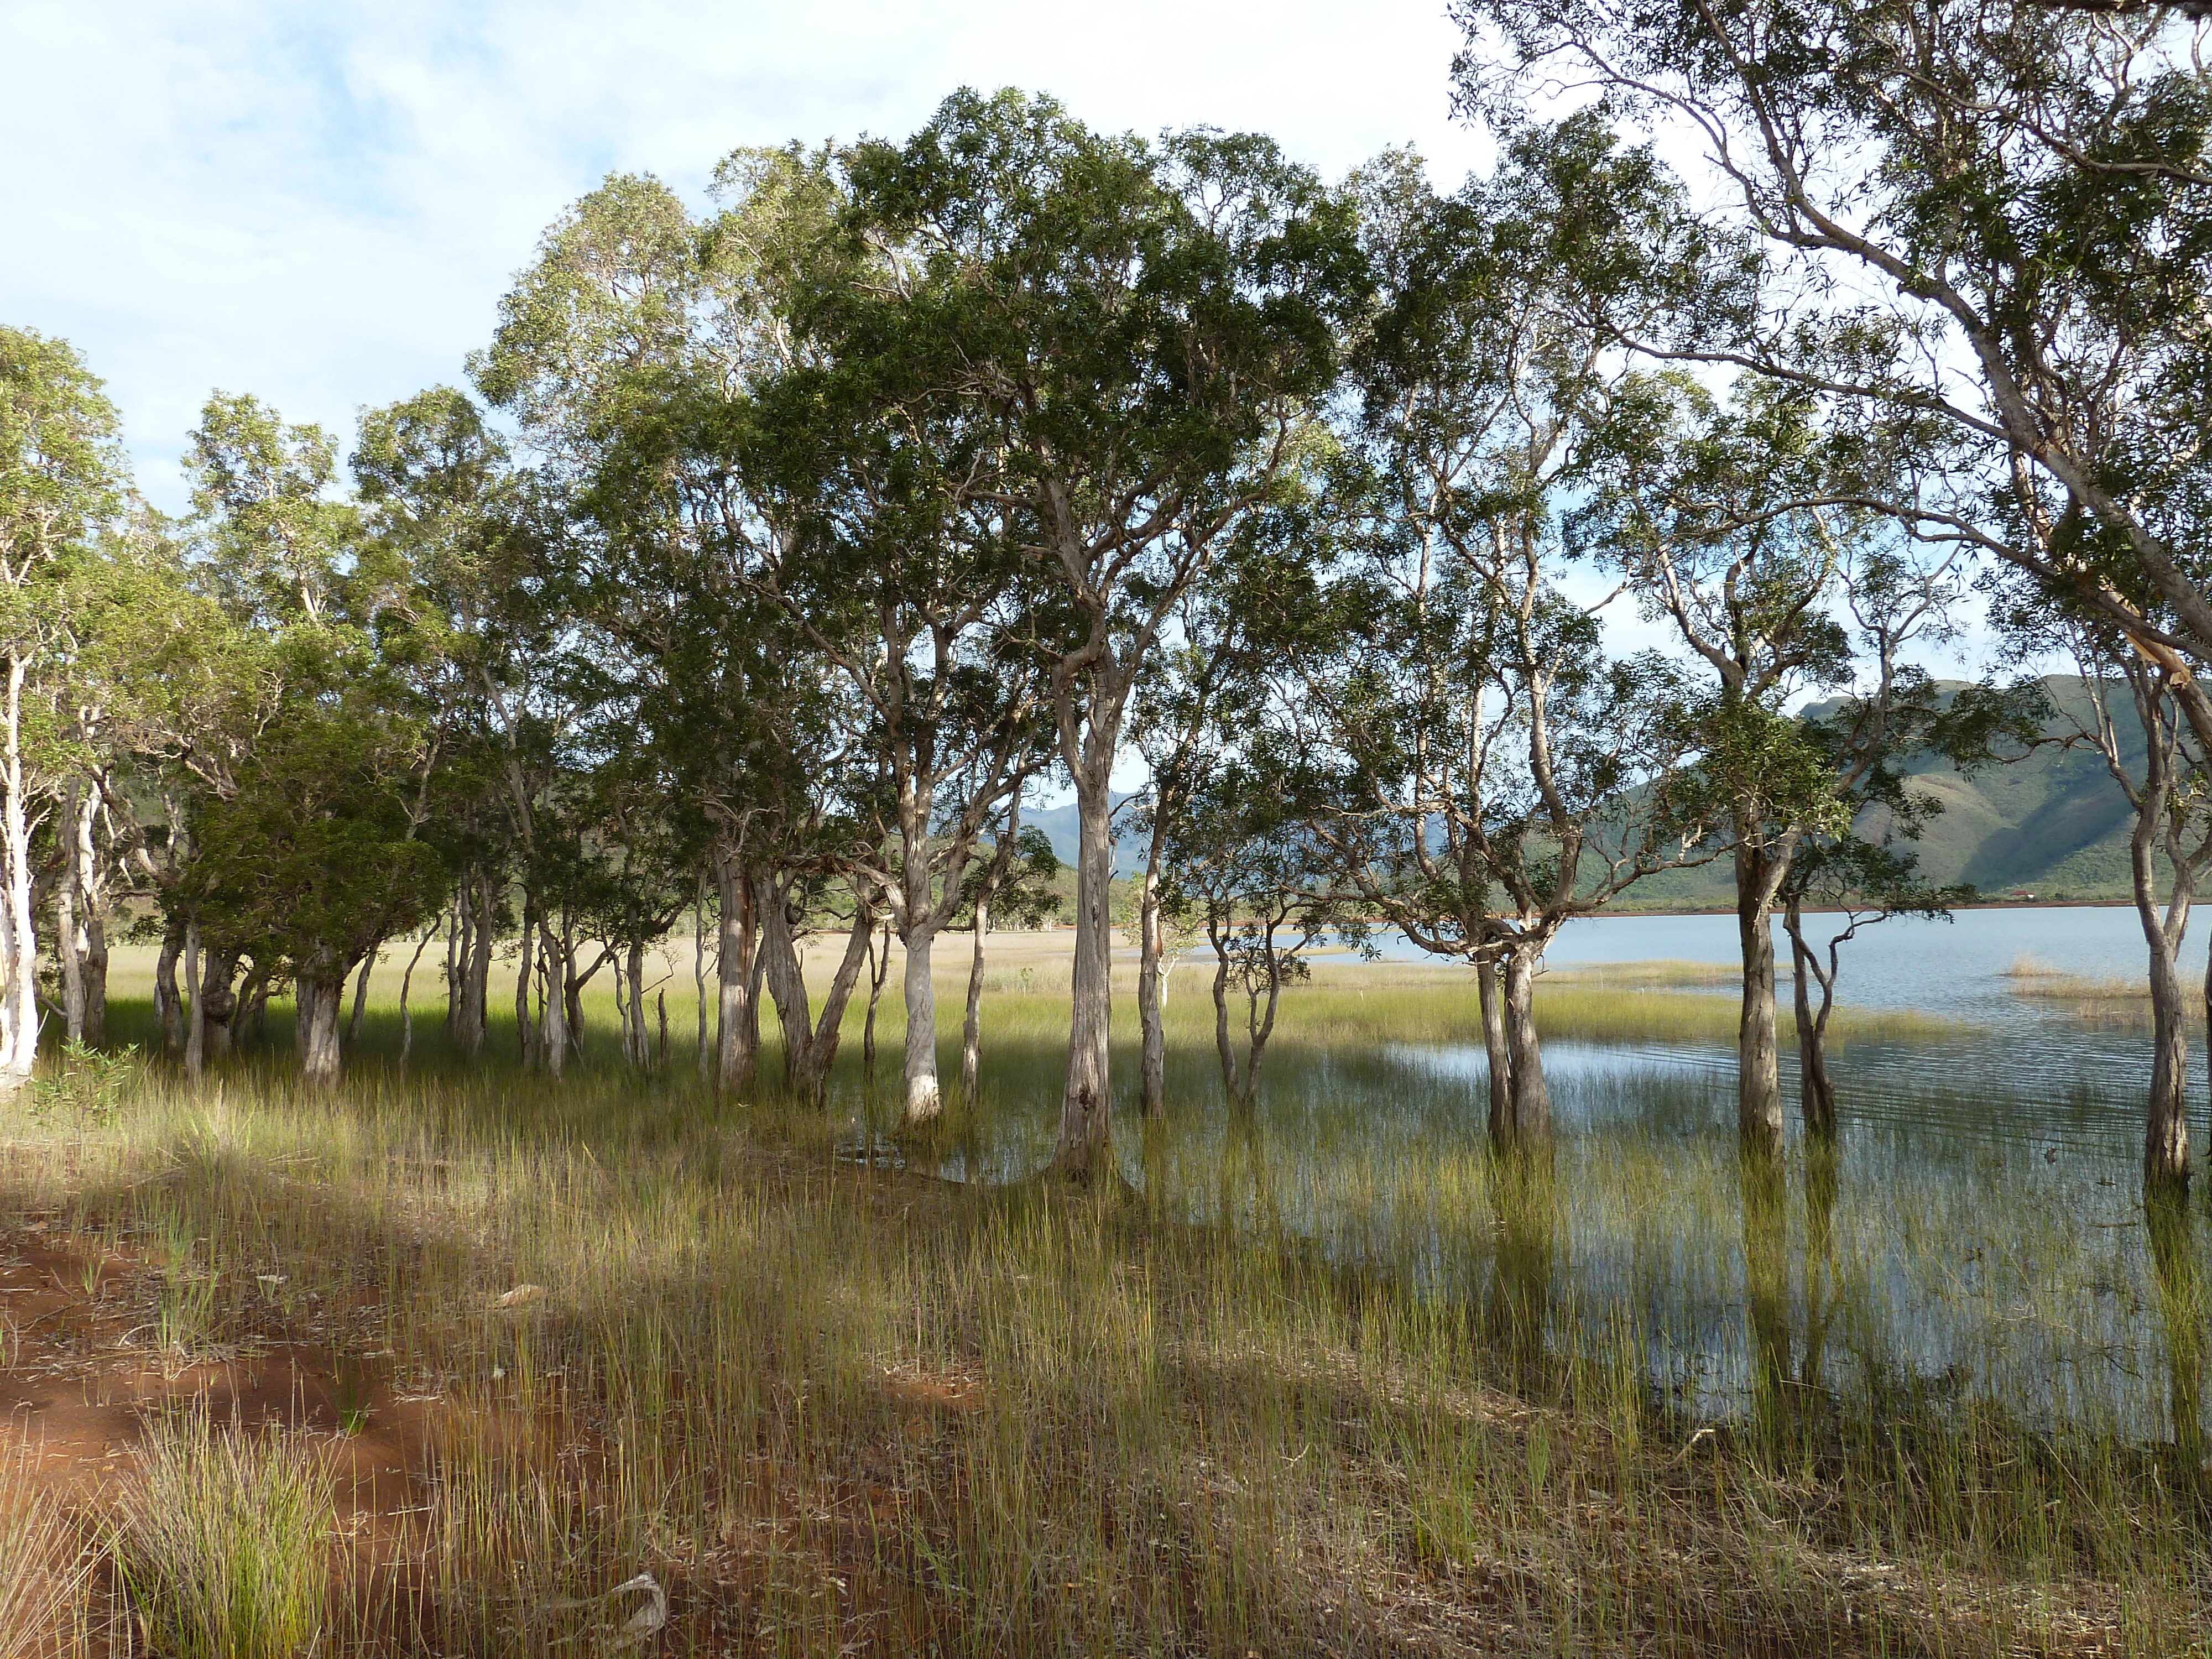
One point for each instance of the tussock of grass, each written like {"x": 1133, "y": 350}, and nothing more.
{"x": 44, "y": 1574}
{"x": 2095, "y": 1002}
{"x": 222, "y": 1543}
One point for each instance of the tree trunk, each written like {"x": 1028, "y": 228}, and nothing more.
{"x": 69, "y": 950}
{"x": 924, "y": 1102}
{"x": 1224, "y": 1051}
{"x": 706, "y": 1057}
{"x": 360, "y": 996}
{"x": 320, "y": 997}
{"x": 457, "y": 961}
{"x": 971, "y": 1024}
{"x": 1816, "y": 1090}
{"x": 738, "y": 1046}
{"x": 406, "y": 1013}
{"x": 1532, "y": 1101}
{"x": 252, "y": 1015}
{"x": 195, "y": 1013}
{"x": 164, "y": 989}
{"x": 571, "y": 990}
{"x": 1500, "y": 1053}
{"x": 218, "y": 1003}
{"x": 1758, "y": 1067}
{"x": 553, "y": 1029}
{"x": 2165, "y": 1132}
{"x": 1152, "y": 1014}
{"x": 1083, "y": 1152}
{"x": 640, "y": 1039}
{"x": 524, "y": 970}
{"x": 810, "y": 1045}
{"x": 19, "y": 940}
{"x": 94, "y": 967}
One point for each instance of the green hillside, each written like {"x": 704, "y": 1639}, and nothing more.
{"x": 2053, "y": 823}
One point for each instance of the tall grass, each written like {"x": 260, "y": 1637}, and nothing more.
{"x": 1339, "y": 1382}
{"x": 223, "y": 1543}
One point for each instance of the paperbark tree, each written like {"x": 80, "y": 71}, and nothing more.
{"x": 1485, "y": 771}
{"x": 1138, "y": 329}
{"x": 60, "y": 478}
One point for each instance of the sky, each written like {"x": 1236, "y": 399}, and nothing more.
{"x": 321, "y": 203}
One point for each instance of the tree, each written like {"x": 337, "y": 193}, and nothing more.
{"x": 1015, "y": 885}
{"x": 1138, "y": 329}
{"x": 1993, "y": 219}
{"x": 1489, "y": 772}
{"x": 1697, "y": 507}
{"x": 1243, "y": 864}
{"x": 61, "y": 480}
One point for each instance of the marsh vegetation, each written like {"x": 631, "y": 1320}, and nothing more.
{"x": 441, "y": 1363}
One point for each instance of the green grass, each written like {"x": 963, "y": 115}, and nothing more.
{"x": 1344, "y": 1385}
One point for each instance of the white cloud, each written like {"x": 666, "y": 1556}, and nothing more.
{"x": 321, "y": 204}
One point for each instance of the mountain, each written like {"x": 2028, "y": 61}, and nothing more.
{"x": 1059, "y": 825}
{"x": 2052, "y": 823}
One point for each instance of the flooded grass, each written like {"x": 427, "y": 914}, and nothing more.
{"x": 647, "y": 1373}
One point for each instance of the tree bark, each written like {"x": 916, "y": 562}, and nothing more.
{"x": 737, "y": 1046}
{"x": 1499, "y": 1051}
{"x": 218, "y": 1003}
{"x": 166, "y": 998}
{"x": 19, "y": 940}
{"x": 320, "y": 995}
{"x": 1532, "y": 1100}
{"x": 524, "y": 970}
{"x": 68, "y": 952}
{"x": 706, "y": 1058}
{"x": 1816, "y": 1090}
{"x": 360, "y": 996}
{"x": 1758, "y": 1069}
{"x": 195, "y": 1011}
{"x": 476, "y": 990}
{"x": 1083, "y": 1152}
{"x": 94, "y": 967}
{"x": 1152, "y": 1013}
{"x": 2166, "y": 1132}
{"x": 971, "y": 1023}
{"x": 809, "y": 1046}
{"x": 553, "y": 1028}
{"x": 925, "y": 1103}
{"x": 406, "y": 1013}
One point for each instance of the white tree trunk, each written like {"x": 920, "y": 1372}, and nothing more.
{"x": 18, "y": 944}
{"x": 924, "y": 1103}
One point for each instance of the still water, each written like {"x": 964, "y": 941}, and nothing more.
{"x": 1982, "y": 1237}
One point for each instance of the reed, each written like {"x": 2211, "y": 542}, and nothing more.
{"x": 1337, "y": 1381}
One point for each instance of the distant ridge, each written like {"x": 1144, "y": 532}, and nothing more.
{"x": 2053, "y": 825}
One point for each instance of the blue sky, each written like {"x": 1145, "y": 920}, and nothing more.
{"x": 321, "y": 203}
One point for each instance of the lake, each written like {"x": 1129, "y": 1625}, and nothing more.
{"x": 1982, "y": 1236}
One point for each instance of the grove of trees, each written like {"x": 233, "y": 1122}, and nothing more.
{"x": 775, "y": 555}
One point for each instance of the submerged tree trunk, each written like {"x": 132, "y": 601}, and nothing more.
{"x": 1816, "y": 1090}
{"x": 1759, "y": 873}
{"x": 1083, "y": 1152}
{"x": 2166, "y": 1132}
{"x": 1531, "y": 1127}
{"x": 971, "y": 1023}
{"x": 1498, "y": 1050}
